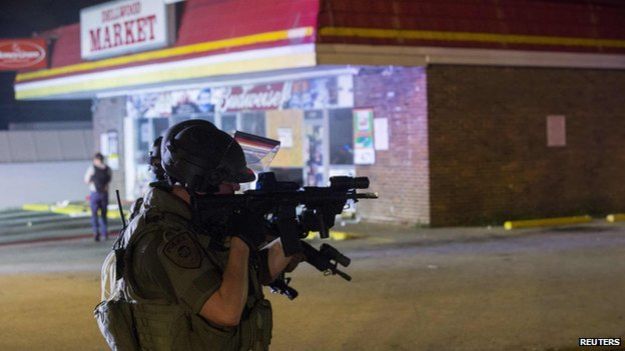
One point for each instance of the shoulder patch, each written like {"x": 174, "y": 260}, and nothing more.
{"x": 183, "y": 252}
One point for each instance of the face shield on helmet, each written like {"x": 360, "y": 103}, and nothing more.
{"x": 200, "y": 156}
{"x": 259, "y": 151}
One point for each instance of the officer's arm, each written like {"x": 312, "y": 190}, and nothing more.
{"x": 277, "y": 262}
{"x": 225, "y": 306}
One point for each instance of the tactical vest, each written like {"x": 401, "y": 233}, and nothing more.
{"x": 101, "y": 178}
{"x": 168, "y": 324}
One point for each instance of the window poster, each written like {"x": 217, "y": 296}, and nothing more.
{"x": 364, "y": 152}
{"x": 109, "y": 147}
{"x": 288, "y": 127}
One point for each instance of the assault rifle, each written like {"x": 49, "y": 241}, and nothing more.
{"x": 292, "y": 212}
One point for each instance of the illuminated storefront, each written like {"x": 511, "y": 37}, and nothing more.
{"x": 444, "y": 113}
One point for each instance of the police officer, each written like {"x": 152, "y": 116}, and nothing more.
{"x": 198, "y": 287}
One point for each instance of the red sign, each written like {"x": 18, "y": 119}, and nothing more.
{"x": 22, "y": 54}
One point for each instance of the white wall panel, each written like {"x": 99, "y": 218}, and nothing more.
{"x": 48, "y": 145}
{"x": 22, "y": 146}
{"x": 46, "y": 182}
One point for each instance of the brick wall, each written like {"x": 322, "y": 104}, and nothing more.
{"x": 400, "y": 175}
{"x": 108, "y": 114}
{"x": 590, "y": 19}
{"x": 488, "y": 156}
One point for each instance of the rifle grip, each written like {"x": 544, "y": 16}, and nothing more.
{"x": 290, "y": 244}
{"x": 288, "y": 231}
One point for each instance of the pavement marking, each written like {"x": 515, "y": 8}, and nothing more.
{"x": 334, "y": 235}
{"x": 72, "y": 210}
{"x": 547, "y": 222}
{"x": 616, "y": 217}
{"x": 36, "y": 207}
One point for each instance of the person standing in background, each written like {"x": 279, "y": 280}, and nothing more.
{"x": 98, "y": 176}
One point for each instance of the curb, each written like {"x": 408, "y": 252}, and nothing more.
{"x": 71, "y": 210}
{"x": 616, "y": 217}
{"x": 334, "y": 235}
{"x": 547, "y": 222}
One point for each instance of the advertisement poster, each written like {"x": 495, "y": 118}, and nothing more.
{"x": 316, "y": 93}
{"x": 109, "y": 147}
{"x": 364, "y": 152}
{"x": 288, "y": 127}
{"x": 314, "y": 173}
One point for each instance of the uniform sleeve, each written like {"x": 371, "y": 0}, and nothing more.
{"x": 193, "y": 276}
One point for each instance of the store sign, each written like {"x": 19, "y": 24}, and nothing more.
{"x": 122, "y": 27}
{"x": 253, "y": 97}
{"x": 305, "y": 94}
{"x": 21, "y": 54}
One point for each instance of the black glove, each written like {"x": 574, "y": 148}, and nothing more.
{"x": 247, "y": 226}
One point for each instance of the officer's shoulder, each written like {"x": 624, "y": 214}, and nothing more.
{"x": 157, "y": 222}
{"x": 180, "y": 249}
{"x": 140, "y": 232}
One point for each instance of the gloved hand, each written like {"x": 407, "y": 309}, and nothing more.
{"x": 295, "y": 260}
{"x": 248, "y": 226}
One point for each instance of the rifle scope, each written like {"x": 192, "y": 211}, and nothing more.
{"x": 345, "y": 182}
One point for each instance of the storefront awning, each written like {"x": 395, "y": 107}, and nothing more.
{"x": 231, "y": 39}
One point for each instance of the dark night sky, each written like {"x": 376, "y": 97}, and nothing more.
{"x": 19, "y": 19}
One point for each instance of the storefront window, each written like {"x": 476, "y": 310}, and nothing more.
{"x": 148, "y": 129}
{"x": 229, "y": 123}
{"x": 341, "y": 137}
{"x": 253, "y": 122}
{"x": 144, "y": 131}
{"x": 180, "y": 118}
{"x": 312, "y": 118}
{"x": 208, "y": 117}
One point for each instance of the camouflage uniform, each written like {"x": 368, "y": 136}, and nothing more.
{"x": 173, "y": 273}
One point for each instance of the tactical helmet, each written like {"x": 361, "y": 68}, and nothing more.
{"x": 200, "y": 156}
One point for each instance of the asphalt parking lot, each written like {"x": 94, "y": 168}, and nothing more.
{"x": 413, "y": 289}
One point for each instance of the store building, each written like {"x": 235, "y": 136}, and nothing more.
{"x": 459, "y": 112}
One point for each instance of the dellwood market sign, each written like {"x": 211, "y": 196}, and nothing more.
{"x": 122, "y": 27}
